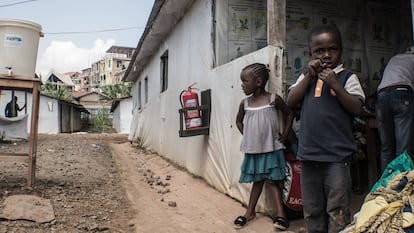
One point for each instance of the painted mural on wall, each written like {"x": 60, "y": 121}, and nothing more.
{"x": 247, "y": 27}
{"x": 372, "y": 33}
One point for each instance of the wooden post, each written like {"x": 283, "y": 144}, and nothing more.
{"x": 33, "y": 136}
{"x": 32, "y": 85}
{"x": 372, "y": 152}
{"x": 276, "y": 36}
{"x": 72, "y": 119}
{"x": 25, "y": 102}
{"x": 276, "y": 23}
{"x": 412, "y": 19}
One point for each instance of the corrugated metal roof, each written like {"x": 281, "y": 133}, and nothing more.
{"x": 64, "y": 78}
{"x": 75, "y": 104}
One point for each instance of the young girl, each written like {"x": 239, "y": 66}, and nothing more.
{"x": 264, "y": 160}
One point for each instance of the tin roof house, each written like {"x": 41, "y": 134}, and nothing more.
{"x": 55, "y": 78}
{"x": 55, "y": 116}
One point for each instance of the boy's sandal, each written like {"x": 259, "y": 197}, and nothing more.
{"x": 241, "y": 222}
{"x": 280, "y": 223}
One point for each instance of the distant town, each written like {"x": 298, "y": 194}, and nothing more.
{"x": 94, "y": 87}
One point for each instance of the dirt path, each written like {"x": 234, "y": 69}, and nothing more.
{"x": 168, "y": 199}
{"x": 78, "y": 174}
{"x": 101, "y": 183}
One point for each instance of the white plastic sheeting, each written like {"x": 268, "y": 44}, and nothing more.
{"x": 13, "y": 128}
{"x": 48, "y": 112}
{"x": 217, "y": 157}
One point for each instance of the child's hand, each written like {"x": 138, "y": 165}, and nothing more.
{"x": 282, "y": 138}
{"x": 329, "y": 77}
{"x": 315, "y": 67}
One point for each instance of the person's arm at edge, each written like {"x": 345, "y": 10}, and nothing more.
{"x": 239, "y": 117}
{"x": 288, "y": 117}
{"x": 20, "y": 109}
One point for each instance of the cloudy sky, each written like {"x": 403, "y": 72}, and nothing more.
{"x": 78, "y": 32}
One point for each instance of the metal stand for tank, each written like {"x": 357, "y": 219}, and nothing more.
{"x": 33, "y": 86}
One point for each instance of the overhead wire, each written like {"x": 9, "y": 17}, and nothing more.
{"x": 17, "y": 3}
{"x": 94, "y": 31}
{"x": 74, "y": 32}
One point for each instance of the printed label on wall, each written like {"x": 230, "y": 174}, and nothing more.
{"x": 13, "y": 40}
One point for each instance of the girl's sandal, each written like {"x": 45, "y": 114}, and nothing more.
{"x": 280, "y": 223}
{"x": 241, "y": 222}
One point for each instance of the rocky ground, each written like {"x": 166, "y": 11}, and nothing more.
{"x": 101, "y": 183}
{"x": 79, "y": 175}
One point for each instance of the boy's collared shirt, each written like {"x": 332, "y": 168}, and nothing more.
{"x": 352, "y": 86}
{"x": 326, "y": 127}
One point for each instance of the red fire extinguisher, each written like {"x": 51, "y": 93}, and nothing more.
{"x": 188, "y": 98}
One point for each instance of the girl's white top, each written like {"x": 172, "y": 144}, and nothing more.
{"x": 260, "y": 128}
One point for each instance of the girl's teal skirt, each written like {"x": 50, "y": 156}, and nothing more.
{"x": 257, "y": 167}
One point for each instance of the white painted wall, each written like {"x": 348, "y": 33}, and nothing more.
{"x": 48, "y": 115}
{"x": 122, "y": 116}
{"x": 48, "y": 110}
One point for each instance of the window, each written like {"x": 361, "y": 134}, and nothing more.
{"x": 139, "y": 94}
{"x": 146, "y": 89}
{"x": 119, "y": 64}
{"x": 103, "y": 80}
{"x": 164, "y": 71}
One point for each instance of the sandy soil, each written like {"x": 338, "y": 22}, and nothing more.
{"x": 102, "y": 183}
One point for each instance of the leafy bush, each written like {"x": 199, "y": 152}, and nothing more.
{"x": 100, "y": 122}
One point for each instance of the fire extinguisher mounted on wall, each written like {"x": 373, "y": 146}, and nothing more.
{"x": 188, "y": 98}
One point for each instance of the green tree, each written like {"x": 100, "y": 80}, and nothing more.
{"x": 57, "y": 91}
{"x": 117, "y": 91}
